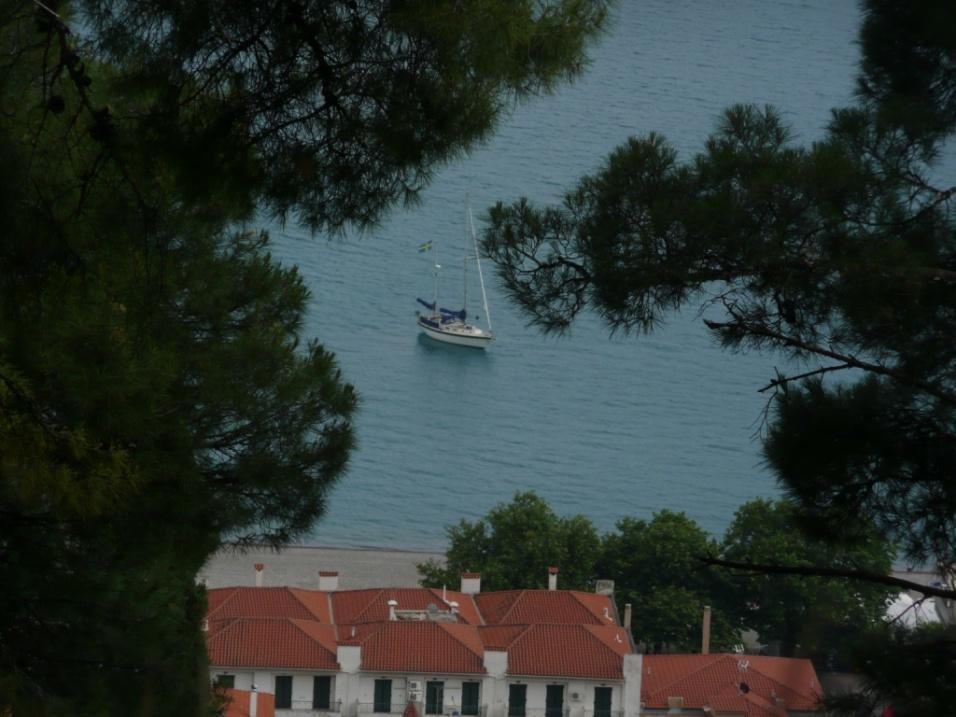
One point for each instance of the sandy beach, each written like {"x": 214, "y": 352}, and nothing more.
{"x": 299, "y": 566}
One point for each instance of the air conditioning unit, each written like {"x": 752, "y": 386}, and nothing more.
{"x": 415, "y": 685}
{"x": 414, "y": 695}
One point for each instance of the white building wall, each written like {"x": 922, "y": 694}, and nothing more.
{"x": 580, "y": 706}
{"x": 356, "y": 691}
{"x": 631, "y": 694}
{"x": 401, "y": 693}
{"x": 494, "y": 696}
{"x": 243, "y": 678}
{"x": 302, "y": 686}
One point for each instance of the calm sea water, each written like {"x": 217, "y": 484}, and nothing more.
{"x": 599, "y": 426}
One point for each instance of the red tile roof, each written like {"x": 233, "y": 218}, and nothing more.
{"x": 238, "y": 705}
{"x": 271, "y": 642}
{"x": 587, "y": 651}
{"x": 498, "y": 637}
{"x": 357, "y": 606}
{"x": 526, "y": 607}
{"x": 423, "y": 647}
{"x": 716, "y": 680}
{"x": 356, "y": 634}
{"x": 268, "y": 602}
{"x": 559, "y": 633}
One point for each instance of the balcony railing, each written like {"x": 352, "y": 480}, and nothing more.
{"x": 305, "y": 707}
{"x": 545, "y": 712}
{"x": 367, "y": 708}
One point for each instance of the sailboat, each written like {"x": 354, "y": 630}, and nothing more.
{"x": 451, "y": 326}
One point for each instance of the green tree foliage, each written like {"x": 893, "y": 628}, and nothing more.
{"x": 333, "y": 110}
{"x": 156, "y": 399}
{"x": 910, "y": 669}
{"x": 513, "y": 547}
{"x": 806, "y": 616}
{"x": 656, "y": 568}
{"x": 156, "y": 394}
{"x": 840, "y": 255}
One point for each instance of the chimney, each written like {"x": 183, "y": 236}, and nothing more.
{"x": 627, "y": 616}
{"x": 471, "y": 583}
{"x": 259, "y": 568}
{"x": 454, "y": 607}
{"x": 205, "y": 625}
{"x": 552, "y": 578}
{"x": 328, "y": 581}
{"x": 705, "y": 638}
{"x": 253, "y": 700}
{"x": 392, "y": 604}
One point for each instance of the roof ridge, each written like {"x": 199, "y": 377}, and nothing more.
{"x": 525, "y": 628}
{"x": 368, "y": 606}
{"x": 447, "y": 627}
{"x": 779, "y": 683}
{"x": 474, "y": 604}
{"x": 232, "y": 593}
{"x": 230, "y": 622}
{"x": 587, "y": 629}
{"x": 295, "y": 623}
{"x": 687, "y": 675}
{"x": 576, "y": 594}
{"x": 373, "y": 629}
{"x": 513, "y": 605}
{"x": 294, "y": 594}
{"x": 755, "y": 668}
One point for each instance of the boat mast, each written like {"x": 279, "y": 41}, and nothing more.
{"x": 435, "y": 267}
{"x": 464, "y": 283}
{"x": 481, "y": 278}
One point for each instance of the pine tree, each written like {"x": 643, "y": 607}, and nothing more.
{"x": 841, "y": 255}
{"x": 157, "y": 396}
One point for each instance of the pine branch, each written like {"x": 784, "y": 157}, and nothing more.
{"x": 850, "y": 361}
{"x": 784, "y": 380}
{"x": 846, "y": 573}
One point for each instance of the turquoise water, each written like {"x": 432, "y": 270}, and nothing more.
{"x": 600, "y": 426}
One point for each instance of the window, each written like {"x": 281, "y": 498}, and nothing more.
{"x": 383, "y": 696}
{"x": 554, "y": 701}
{"x": 469, "y": 697}
{"x": 434, "y": 697}
{"x": 321, "y": 691}
{"x": 283, "y": 692}
{"x": 516, "y": 700}
{"x": 226, "y": 681}
{"x": 602, "y": 702}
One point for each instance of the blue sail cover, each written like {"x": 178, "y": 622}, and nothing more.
{"x": 446, "y": 314}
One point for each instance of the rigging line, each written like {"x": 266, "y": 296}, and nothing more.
{"x": 481, "y": 278}
{"x": 48, "y": 9}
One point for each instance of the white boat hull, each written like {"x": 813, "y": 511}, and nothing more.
{"x": 458, "y": 333}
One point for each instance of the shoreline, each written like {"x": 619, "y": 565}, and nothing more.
{"x": 299, "y": 566}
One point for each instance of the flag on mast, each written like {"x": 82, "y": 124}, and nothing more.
{"x": 425, "y": 247}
